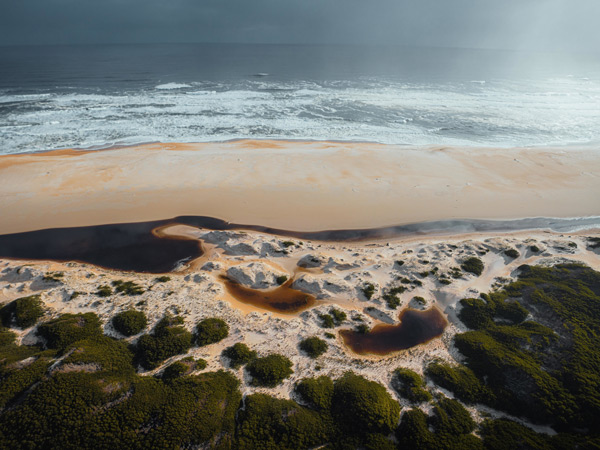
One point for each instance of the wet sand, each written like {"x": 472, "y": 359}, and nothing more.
{"x": 303, "y": 186}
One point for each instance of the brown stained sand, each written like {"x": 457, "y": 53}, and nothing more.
{"x": 295, "y": 185}
{"x": 415, "y": 327}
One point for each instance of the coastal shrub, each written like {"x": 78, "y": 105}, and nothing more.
{"x": 68, "y": 328}
{"x": 7, "y": 337}
{"x": 450, "y": 417}
{"x": 168, "y": 339}
{"x": 23, "y": 312}
{"x": 53, "y": 277}
{"x": 473, "y": 265}
{"x": 363, "y": 328}
{"x": 239, "y": 354}
{"x": 127, "y": 287}
{"x": 399, "y": 263}
{"x": 317, "y": 392}
{"x": 511, "y": 253}
{"x": 211, "y": 330}
{"x": 593, "y": 242}
{"x": 175, "y": 370}
{"x": 361, "y": 406}
{"x": 269, "y": 370}
{"x": 281, "y": 279}
{"x": 368, "y": 290}
{"x": 313, "y": 346}
{"x": 410, "y": 386}
{"x": 329, "y": 335}
{"x": 338, "y": 316}
{"x": 274, "y": 424}
{"x": 534, "y": 248}
{"x": 162, "y": 279}
{"x": 327, "y": 321}
{"x": 461, "y": 381}
{"x": 104, "y": 291}
{"x": 130, "y": 322}
{"x": 287, "y": 244}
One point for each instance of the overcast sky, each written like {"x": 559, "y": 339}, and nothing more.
{"x": 571, "y": 25}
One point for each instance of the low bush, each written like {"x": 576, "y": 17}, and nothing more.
{"x": 269, "y": 370}
{"x": 317, "y": 392}
{"x": 361, "y": 406}
{"x": 410, "y": 386}
{"x": 281, "y": 279}
{"x": 368, "y": 290}
{"x": 68, "y": 328}
{"x": 168, "y": 339}
{"x": 239, "y": 354}
{"x": 473, "y": 265}
{"x": 338, "y": 316}
{"x": 130, "y": 322}
{"x": 327, "y": 321}
{"x": 511, "y": 253}
{"x": 127, "y": 287}
{"x": 23, "y": 312}
{"x": 313, "y": 346}
{"x": 211, "y": 330}
{"x": 104, "y": 291}
{"x": 162, "y": 279}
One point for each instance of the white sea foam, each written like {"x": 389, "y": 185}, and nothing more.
{"x": 168, "y": 86}
{"x": 498, "y": 113}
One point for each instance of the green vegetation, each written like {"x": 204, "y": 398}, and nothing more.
{"x": 268, "y": 423}
{"x": 329, "y": 335}
{"x": 104, "y": 291}
{"x": 68, "y": 328}
{"x": 53, "y": 277}
{"x": 363, "y": 328}
{"x": 522, "y": 366}
{"x": 368, "y": 290}
{"x": 327, "y": 321}
{"x": 211, "y": 330}
{"x": 127, "y": 287}
{"x": 338, "y": 316}
{"x": 534, "y": 248}
{"x": 281, "y": 279}
{"x": 287, "y": 244}
{"x": 23, "y": 312}
{"x": 313, "y": 346}
{"x": 511, "y": 253}
{"x": 239, "y": 354}
{"x": 452, "y": 426}
{"x": 182, "y": 367}
{"x": 363, "y": 406}
{"x": 391, "y": 296}
{"x": 317, "y": 392}
{"x": 269, "y": 370}
{"x": 168, "y": 339}
{"x": 419, "y": 300}
{"x": 162, "y": 279}
{"x": 473, "y": 265}
{"x": 130, "y": 322}
{"x": 410, "y": 386}
{"x": 399, "y": 263}
{"x": 593, "y": 242}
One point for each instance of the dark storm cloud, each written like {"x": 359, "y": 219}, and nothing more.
{"x": 541, "y": 24}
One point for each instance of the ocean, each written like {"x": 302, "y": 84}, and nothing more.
{"x": 56, "y": 97}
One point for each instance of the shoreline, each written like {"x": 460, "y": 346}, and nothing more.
{"x": 296, "y": 185}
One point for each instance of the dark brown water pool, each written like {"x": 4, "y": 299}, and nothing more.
{"x": 282, "y": 299}
{"x": 415, "y": 327}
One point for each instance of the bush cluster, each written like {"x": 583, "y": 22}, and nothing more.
{"x": 130, "y": 322}
{"x": 239, "y": 354}
{"x": 211, "y": 330}
{"x": 68, "y": 328}
{"x": 313, "y": 346}
{"x": 410, "y": 386}
{"x": 473, "y": 265}
{"x": 269, "y": 370}
{"x": 168, "y": 339}
{"x": 23, "y": 312}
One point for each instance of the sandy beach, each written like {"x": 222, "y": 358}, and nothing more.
{"x": 303, "y": 186}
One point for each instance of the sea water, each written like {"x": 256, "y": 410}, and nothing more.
{"x": 57, "y": 97}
